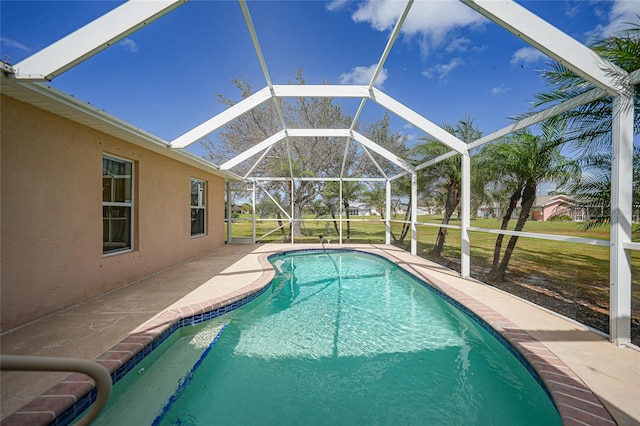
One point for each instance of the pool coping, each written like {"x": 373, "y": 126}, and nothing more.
{"x": 65, "y": 401}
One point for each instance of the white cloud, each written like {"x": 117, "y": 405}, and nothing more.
{"x": 336, "y": 5}
{"x": 13, "y": 43}
{"x": 443, "y": 70}
{"x": 363, "y": 75}
{"x": 527, "y": 55}
{"x": 129, "y": 45}
{"x": 499, "y": 89}
{"x": 432, "y": 20}
{"x": 460, "y": 44}
{"x": 621, "y": 14}
{"x": 571, "y": 11}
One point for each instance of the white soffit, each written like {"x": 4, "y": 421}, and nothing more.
{"x": 50, "y": 99}
{"x": 94, "y": 37}
{"x": 554, "y": 43}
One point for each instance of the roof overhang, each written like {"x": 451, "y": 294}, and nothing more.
{"x": 57, "y": 102}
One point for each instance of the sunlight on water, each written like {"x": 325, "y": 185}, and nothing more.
{"x": 339, "y": 338}
{"x": 357, "y": 313}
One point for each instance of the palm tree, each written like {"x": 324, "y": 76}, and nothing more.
{"x": 375, "y": 196}
{"x": 445, "y": 176}
{"x": 350, "y": 192}
{"x": 516, "y": 165}
{"x": 589, "y": 126}
{"x": 592, "y": 191}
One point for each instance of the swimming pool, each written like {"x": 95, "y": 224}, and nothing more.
{"x": 338, "y": 338}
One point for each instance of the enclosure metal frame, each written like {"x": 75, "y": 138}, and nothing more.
{"x": 608, "y": 79}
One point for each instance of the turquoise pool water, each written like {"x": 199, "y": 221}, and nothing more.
{"x": 339, "y": 338}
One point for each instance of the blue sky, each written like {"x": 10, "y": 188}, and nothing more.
{"x": 449, "y": 62}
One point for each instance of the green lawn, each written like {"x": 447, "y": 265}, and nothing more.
{"x": 569, "y": 278}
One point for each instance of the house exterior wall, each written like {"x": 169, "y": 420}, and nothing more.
{"x": 51, "y": 213}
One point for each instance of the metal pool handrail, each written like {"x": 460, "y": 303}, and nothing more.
{"x": 44, "y": 363}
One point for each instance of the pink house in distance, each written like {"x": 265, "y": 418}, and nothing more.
{"x": 547, "y": 206}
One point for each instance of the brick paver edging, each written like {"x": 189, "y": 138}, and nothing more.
{"x": 575, "y": 402}
{"x": 67, "y": 400}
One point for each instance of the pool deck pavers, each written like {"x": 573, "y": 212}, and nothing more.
{"x": 582, "y": 370}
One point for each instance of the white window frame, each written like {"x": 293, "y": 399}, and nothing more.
{"x": 129, "y": 204}
{"x": 202, "y": 205}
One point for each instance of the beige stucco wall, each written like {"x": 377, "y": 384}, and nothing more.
{"x": 51, "y": 254}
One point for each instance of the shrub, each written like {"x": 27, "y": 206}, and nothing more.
{"x": 561, "y": 218}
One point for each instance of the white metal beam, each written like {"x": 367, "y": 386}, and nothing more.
{"x": 265, "y": 71}
{"x": 390, "y": 43}
{"x": 320, "y": 91}
{"x": 253, "y": 150}
{"x": 414, "y": 213}
{"x": 293, "y": 214}
{"x": 254, "y": 39}
{"x": 229, "y": 221}
{"x": 318, "y": 179}
{"x": 274, "y": 201}
{"x": 553, "y": 43}
{"x": 387, "y": 206}
{"x": 417, "y": 120}
{"x": 344, "y": 157}
{"x": 264, "y": 154}
{"x": 438, "y": 159}
{"x": 381, "y": 151}
{"x": 465, "y": 209}
{"x": 340, "y": 205}
{"x": 383, "y": 59}
{"x": 221, "y": 119}
{"x": 358, "y": 112}
{"x": 568, "y": 105}
{"x": 253, "y": 213}
{"x": 621, "y": 219}
{"x": 94, "y": 37}
{"x": 373, "y": 160}
{"x": 560, "y": 108}
{"x": 328, "y": 133}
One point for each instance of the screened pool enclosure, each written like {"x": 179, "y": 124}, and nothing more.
{"x": 384, "y": 167}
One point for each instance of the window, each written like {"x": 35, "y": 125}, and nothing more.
{"x": 198, "y": 211}
{"x": 117, "y": 204}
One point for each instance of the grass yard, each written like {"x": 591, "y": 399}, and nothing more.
{"x": 569, "y": 278}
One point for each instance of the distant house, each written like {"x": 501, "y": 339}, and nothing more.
{"x": 361, "y": 209}
{"x": 544, "y": 208}
{"x": 490, "y": 211}
{"x": 427, "y": 210}
{"x": 548, "y": 206}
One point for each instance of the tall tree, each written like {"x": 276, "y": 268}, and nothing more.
{"x": 293, "y": 157}
{"x": 592, "y": 192}
{"x": 589, "y": 126}
{"x": 375, "y": 195}
{"x": 350, "y": 192}
{"x": 518, "y": 164}
{"x": 446, "y": 176}
{"x": 297, "y": 157}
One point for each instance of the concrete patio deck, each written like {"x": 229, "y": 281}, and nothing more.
{"x": 91, "y": 328}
